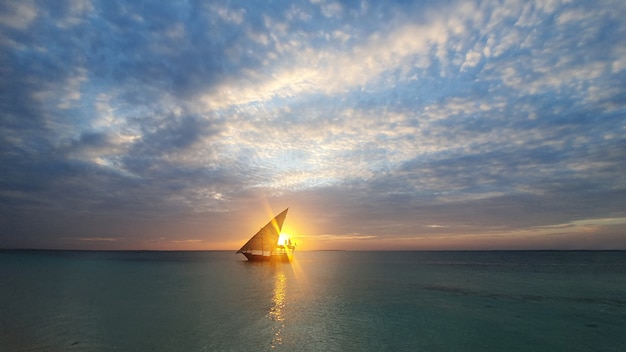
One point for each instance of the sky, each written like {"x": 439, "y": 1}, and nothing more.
{"x": 381, "y": 124}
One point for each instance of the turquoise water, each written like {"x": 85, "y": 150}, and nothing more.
{"x": 323, "y": 301}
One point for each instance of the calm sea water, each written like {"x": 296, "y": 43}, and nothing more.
{"x": 323, "y": 301}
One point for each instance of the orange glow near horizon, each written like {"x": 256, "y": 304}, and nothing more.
{"x": 308, "y": 235}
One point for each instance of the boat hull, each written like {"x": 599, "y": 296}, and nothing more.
{"x": 275, "y": 257}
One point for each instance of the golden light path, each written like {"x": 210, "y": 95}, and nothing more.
{"x": 276, "y": 312}
{"x": 286, "y": 274}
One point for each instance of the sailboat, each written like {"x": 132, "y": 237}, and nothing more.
{"x": 264, "y": 246}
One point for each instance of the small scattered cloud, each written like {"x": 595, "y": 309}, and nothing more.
{"x": 18, "y": 14}
{"x": 340, "y": 237}
{"x": 95, "y": 239}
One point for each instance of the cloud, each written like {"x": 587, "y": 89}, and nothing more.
{"x": 97, "y": 239}
{"x": 18, "y": 15}
{"x": 342, "y": 237}
{"x": 398, "y": 118}
{"x": 187, "y": 241}
{"x": 471, "y": 60}
{"x": 235, "y": 16}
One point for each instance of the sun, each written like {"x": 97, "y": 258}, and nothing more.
{"x": 283, "y": 238}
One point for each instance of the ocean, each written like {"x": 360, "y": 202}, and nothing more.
{"x": 322, "y": 301}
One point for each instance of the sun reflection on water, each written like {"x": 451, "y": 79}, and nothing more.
{"x": 276, "y": 312}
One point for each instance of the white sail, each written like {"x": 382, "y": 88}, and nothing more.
{"x": 265, "y": 241}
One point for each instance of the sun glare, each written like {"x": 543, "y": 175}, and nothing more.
{"x": 283, "y": 238}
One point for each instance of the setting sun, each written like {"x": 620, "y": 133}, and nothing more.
{"x": 283, "y": 238}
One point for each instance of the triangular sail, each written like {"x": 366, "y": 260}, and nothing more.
{"x": 265, "y": 241}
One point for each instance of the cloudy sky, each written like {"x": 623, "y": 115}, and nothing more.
{"x": 381, "y": 125}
